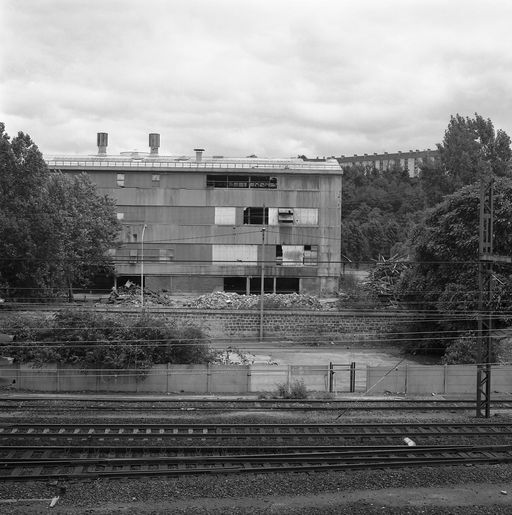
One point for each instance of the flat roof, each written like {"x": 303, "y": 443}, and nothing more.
{"x": 145, "y": 161}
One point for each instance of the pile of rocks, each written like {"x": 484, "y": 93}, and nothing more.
{"x": 225, "y": 300}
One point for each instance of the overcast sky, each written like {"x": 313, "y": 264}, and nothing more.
{"x": 276, "y": 78}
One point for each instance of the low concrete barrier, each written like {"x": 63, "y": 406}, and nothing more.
{"x": 439, "y": 379}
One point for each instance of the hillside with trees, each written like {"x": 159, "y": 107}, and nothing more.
{"x": 381, "y": 208}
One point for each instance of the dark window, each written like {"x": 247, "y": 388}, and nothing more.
{"x": 279, "y": 254}
{"x": 255, "y": 285}
{"x": 241, "y": 181}
{"x": 287, "y": 285}
{"x": 235, "y": 284}
{"x": 255, "y": 216}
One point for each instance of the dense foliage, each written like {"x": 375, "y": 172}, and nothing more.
{"x": 55, "y": 230}
{"x": 380, "y": 208}
{"x": 444, "y": 276}
{"x": 92, "y": 340}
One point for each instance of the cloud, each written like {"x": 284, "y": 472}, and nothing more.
{"x": 274, "y": 78}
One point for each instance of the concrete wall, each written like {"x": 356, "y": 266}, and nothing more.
{"x": 427, "y": 379}
{"x": 163, "y": 378}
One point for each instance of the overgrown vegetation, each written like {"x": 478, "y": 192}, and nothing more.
{"x": 55, "y": 229}
{"x": 91, "y": 340}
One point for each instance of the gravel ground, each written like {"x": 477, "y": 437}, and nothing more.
{"x": 317, "y": 492}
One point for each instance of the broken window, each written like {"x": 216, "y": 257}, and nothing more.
{"x": 120, "y": 180}
{"x": 155, "y": 180}
{"x": 297, "y": 255}
{"x": 279, "y": 255}
{"x": 285, "y": 216}
{"x": 311, "y": 255}
{"x": 241, "y": 181}
{"x": 256, "y": 216}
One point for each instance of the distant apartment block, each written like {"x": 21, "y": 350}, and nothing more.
{"x": 201, "y": 224}
{"x": 410, "y": 161}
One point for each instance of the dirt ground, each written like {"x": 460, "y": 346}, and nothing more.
{"x": 467, "y": 498}
{"x": 284, "y": 353}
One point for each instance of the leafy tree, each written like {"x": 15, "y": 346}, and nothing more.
{"x": 470, "y": 147}
{"x": 378, "y": 208}
{"x": 444, "y": 276}
{"x": 55, "y": 229}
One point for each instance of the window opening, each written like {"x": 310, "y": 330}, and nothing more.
{"x": 255, "y": 285}
{"x": 287, "y": 285}
{"x": 235, "y": 285}
{"x": 279, "y": 254}
{"x": 255, "y": 216}
{"x": 155, "y": 179}
{"x": 120, "y": 216}
{"x": 310, "y": 254}
{"x": 285, "y": 216}
{"x": 241, "y": 181}
{"x": 120, "y": 180}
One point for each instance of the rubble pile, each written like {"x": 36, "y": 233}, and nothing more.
{"x": 386, "y": 274}
{"x": 225, "y": 300}
{"x": 130, "y": 294}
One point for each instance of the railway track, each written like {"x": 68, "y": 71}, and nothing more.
{"x": 195, "y": 434}
{"x": 30, "y": 451}
{"x": 89, "y": 404}
{"x": 65, "y": 467}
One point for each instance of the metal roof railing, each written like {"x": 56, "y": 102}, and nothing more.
{"x": 328, "y": 166}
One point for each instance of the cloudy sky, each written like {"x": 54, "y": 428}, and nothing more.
{"x": 274, "y": 78}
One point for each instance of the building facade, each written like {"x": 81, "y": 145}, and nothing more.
{"x": 201, "y": 224}
{"x": 409, "y": 161}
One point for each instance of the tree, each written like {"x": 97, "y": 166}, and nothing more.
{"x": 470, "y": 147}
{"x": 444, "y": 277}
{"x": 55, "y": 230}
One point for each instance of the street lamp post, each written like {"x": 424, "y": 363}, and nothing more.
{"x": 142, "y": 267}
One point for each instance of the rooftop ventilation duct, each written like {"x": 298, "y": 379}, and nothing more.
{"x": 154, "y": 143}
{"x": 102, "y": 142}
{"x": 199, "y": 154}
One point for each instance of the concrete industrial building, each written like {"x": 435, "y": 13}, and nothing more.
{"x": 409, "y": 161}
{"x": 196, "y": 223}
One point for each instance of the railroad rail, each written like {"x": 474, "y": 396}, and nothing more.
{"x": 30, "y": 468}
{"x": 69, "y": 404}
{"x": 191, "y": 434}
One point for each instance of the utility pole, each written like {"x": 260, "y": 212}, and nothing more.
{"x": 142, "y": 267}
{"x": 485, "y": 272}
{"x": 262, "y": 289}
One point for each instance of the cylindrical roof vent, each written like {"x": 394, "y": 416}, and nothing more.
{"x": 154, "y": 143}
{"x": 102, "y": 142}
{"x": 199, "y": 154}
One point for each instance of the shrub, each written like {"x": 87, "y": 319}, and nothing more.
{"x": 298, "y": 390}
{"x": 92, "y": 340}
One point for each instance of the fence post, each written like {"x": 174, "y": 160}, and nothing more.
{"x": 331, "y": 378}
{"x": 352, "y": 377}
{"x": 167, "y": 379}
{"x": 208, "y": 378}
{"x": 444, "y": 378}
{"x": 406, "y": 378}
